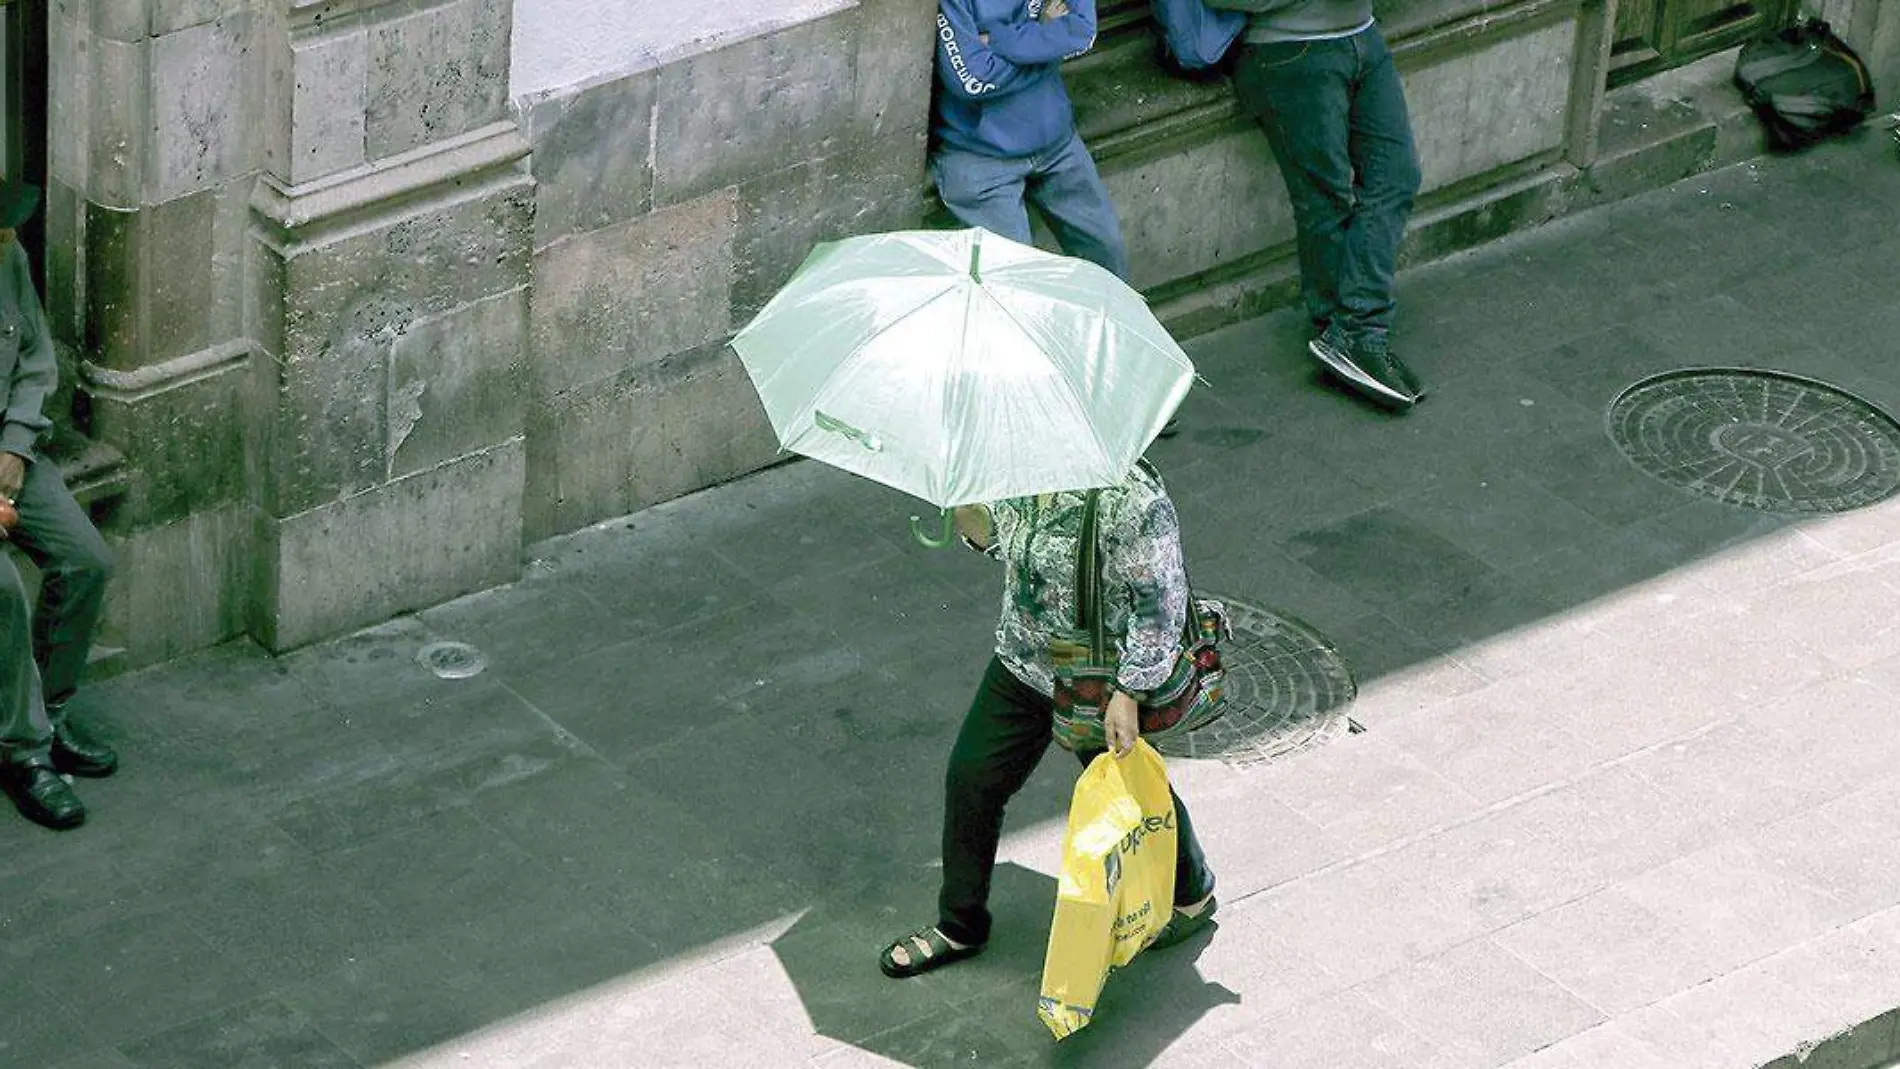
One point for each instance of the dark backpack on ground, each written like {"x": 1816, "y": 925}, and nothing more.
{"x": 1805, "y": 84}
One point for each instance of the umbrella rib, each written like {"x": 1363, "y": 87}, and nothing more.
{"x": 804, "y": 412}
{"x": 1101, "y": 447}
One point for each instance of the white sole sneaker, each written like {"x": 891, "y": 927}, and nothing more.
{"x": 1356, "y": 377}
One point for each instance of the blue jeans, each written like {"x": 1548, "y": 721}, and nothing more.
{"x": 1334, "y": 113}
{"x": 1062, "y": 182}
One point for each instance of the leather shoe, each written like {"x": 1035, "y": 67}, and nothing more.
{"x": 41, "y": 795}
{"x": 76, "y": 755}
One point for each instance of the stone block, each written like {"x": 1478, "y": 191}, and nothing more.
{"x": 1480, "y": 1004}
{"x": 68, "y": 101}
{"x": 1332, "y": 1032}
{"x": 634, "y": 293}
{"x": 1459, "y": 135}
{"x": 329, "y": 412}
{"x": 186, "y": 440}
{"x": 1629, "y": 163}
{"x": 659, "y": 431}
{"x": 442, "y": 253}
{"x": 783, "y": 214}
{"x": 181, "y": 586}
{"x": 65, "y": 215}
{"x": 432, "y": 75}
{"x": 201, "y": 81}
{"x": 114, "y": 249}
{"x": 413, "y": 542}
{"x": 171, "y": 15}
{"x": 592, "y": 156}
{"x": 895, "y": 67}
{"x": 456, "y": 382}
{"x": 1401, "y": 19}
{"x": 178, "y": 289}
{"x": 118, "y": 21}
{"x": 266, "y": 276}
{"x": 119, "y": 130}
{"x": 328, "y": 106}
{"x": 1210, "y": 203}
{"x": 1485, "y": 216}
{"x": 1609, "y": 951}
{"x": 744, "y": 109}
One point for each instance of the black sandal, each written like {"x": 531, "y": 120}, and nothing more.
{"x": 937, "y": 952}
{"x": 1182, "y": 926}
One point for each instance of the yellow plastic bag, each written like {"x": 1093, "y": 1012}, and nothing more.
{"x": 1117, "y": 886}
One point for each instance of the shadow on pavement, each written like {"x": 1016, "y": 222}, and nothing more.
{"x": 983, "y": 1011}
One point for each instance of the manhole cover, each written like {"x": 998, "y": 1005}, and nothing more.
{"x": 1759, "y": 439}
{"x": 451, "y": 660}
{"x": 1287, "y": 688}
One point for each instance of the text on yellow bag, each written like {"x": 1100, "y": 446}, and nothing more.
{"x": 1117, "y": 886}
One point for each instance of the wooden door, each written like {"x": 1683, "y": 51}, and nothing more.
{"x": 1655, "y": 35}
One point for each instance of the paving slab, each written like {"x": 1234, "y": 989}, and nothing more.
{"x": 1624, "y": 793}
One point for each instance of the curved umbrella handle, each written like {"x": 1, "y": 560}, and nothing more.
{"x": 925, "y": 539}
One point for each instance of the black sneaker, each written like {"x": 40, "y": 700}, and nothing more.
{"x": 1375, "y": 354}
{"x": 1368, "y": 366}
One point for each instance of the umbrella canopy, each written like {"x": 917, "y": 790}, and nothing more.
{"x": 962, "y": 367}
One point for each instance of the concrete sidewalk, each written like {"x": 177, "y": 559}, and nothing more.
{"x": 1628, "y": 793}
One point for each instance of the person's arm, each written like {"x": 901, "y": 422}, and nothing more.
{"x": 966, "y": 65}
{"x": 1065, "y": 30}
{"x": 36, "y": 374}
{"x": 1142, "y": 563}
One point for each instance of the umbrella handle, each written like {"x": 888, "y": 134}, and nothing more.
{"x": 925, "y": 539}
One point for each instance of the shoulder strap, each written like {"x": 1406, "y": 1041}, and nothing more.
{"x": 1088, "y": 576}
{"x": 1088, "y": 583}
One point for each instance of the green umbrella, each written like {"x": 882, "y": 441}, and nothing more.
{"x": 962, "y": 367}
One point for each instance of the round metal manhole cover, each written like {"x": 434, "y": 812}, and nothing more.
{"x": 1287, "y": 689}
{"x": 1759, "y": 439}
{"x": 451, "y": 660}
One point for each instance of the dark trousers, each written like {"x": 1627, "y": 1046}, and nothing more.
{"x": 1334, "y": 113}
{"x": 43, "y": 651}
{"x": 1003, "y": 736}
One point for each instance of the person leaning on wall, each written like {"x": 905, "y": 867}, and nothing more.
{"x": 1002, "y": 130}
{"x": 1317, "y": 76}
{"x": 42, "y": 650}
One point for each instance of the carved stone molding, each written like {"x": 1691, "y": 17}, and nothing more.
{"x": 144, "y": 382}
{"x": 493, "y": 154}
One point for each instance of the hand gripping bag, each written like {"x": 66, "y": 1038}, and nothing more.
{"x": 1117, "y": 886}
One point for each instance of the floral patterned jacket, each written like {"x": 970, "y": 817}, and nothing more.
{"x": 1144, "y": 584}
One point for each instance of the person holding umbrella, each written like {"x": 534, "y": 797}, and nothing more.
{"x": 43, "y": 651}
{"x": 1145, "y": 601}
{"x": 965, "y": 368}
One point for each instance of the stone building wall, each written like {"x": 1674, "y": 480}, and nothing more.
{"x": 672, "y": 201}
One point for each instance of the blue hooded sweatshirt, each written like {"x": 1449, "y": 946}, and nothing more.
{"x": 1004, "y": 96}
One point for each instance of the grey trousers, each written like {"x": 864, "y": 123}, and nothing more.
{"x": 43, "y": 650}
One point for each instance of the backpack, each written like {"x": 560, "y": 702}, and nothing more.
{"x": 1197, "y": 41}
{"x": 1805, "y": 84}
